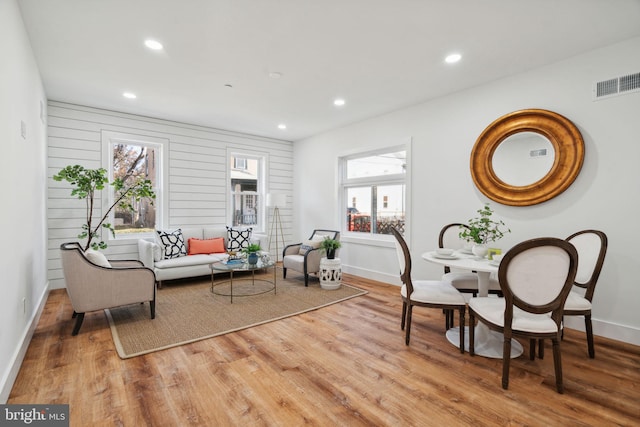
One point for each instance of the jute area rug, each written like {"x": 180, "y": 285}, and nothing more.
{"x": 187, "y": 311}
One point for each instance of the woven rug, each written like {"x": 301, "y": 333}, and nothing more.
{"x": 187, "y": 311}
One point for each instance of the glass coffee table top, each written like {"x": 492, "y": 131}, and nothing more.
{"x": 240, "y": 265}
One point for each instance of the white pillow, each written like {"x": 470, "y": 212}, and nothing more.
{"x": 97, "y": 258}
{"x": 308, "y": 245}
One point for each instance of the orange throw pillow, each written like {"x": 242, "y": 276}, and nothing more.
{"x": 206, "y": 246}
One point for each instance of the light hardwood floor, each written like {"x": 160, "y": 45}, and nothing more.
{"x": 342, "y": 365}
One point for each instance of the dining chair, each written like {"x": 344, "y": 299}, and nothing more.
{"x": 464, "y": 281}
{"x": 592, "y": 248}
{"x": 533, "y": 301}
{"x": 424, "y": 293}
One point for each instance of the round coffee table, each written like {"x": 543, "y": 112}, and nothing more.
{"x": 255, "y": 286}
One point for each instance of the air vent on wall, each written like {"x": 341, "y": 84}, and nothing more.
{"x": 618, "y": 86}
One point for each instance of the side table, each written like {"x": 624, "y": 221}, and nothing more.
{"x": 330, "y": 273}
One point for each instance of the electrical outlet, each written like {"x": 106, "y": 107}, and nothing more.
{"x": 23, "y": 129}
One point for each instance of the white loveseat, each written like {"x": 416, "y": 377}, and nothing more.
{"x": 150, "y": 254}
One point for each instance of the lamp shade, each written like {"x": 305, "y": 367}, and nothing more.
{"x": 276, "y": 200}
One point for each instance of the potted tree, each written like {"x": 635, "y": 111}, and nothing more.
{"x": 330, "y": 246}
{"x": 482, "y": 230}
{"x": 252, "y": 253}
{"x": 87, "y": 183}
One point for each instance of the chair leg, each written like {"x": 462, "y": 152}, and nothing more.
{"x": 404, "y": 315}
{"x": 506, "y": 361}
{"x": 408, "y": 326}
{"x": 306, "y": 280}
{"x": 589, "y": 330}
{"x": 557, "y": 364}
{"x": 79, "y": 318}
{"x": 472, "y": 333}
{"x": 461, "y": 329}
{"x": 532, "y": 348}
{"x": 541, "y": 348}
{"x": 152, "y": 305}
{"x": 284, "y": 273}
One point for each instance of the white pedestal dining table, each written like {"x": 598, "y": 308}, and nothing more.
{"x": 488, "y": 343}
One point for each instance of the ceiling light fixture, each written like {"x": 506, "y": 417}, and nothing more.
{"x": 282, "y": 126}
{"x": 275, "y": 75}
{"x": 338, "y": 102}
{"x": 129, "y": 95}
{"x": 453, "y": 58}
{"x": 153, "y": 44}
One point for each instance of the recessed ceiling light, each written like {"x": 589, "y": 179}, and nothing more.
{"x": 129, "y": 95}
{"x": 282, "y": 126}
{"x": 153, "y": 44}
{"x": 275, "y": 75}
{"x": 338, "y": 102}
{"x": 453, "y": 58}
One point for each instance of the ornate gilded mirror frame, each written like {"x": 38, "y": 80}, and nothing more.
{"x": 567, "y": 143}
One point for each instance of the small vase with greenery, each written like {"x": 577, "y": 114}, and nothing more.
{"x": 87, "y": 183}
{"x": 252, "y": 252}
{"x": 482, "y": 230}
{"x": 330, "y": 246}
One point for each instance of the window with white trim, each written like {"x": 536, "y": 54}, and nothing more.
{"x": 247, "y": 191}
{"x": 131, "y": 159}
{"x": 374, "y": 191}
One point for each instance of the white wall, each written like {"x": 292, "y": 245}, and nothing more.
{"x": 605, "y": 196}
{"x": 22, "y": 172}
{"x": 196, "y": 188}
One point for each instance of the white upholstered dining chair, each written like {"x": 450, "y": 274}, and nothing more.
{"x": 533, "y": 300}
{"x": 592, "y": 248}
{"x": 425, "y": 293}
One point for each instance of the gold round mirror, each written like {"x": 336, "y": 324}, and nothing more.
{"x": 527, "y": 157}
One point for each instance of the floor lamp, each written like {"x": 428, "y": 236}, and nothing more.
{"x": 276, "y": 201}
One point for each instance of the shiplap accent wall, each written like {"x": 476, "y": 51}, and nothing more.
{"x": 195, "y": 190}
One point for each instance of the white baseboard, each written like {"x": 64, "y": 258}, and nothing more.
{"x": 606, "y": 329}
{"x": 373, "y": 275}
{"x": 16, "y": 361}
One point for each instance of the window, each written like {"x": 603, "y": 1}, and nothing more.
{"x": 374, "y": 188}
{"x": 247, "y": 190}
{"x": 131, "y": 160}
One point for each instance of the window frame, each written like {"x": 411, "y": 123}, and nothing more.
{"x": 261, "y": 187}
{"x": 109, "y": 140}
{"x": 394, "y": 179}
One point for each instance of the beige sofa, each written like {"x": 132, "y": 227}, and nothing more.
{"x": 150, "y": 254}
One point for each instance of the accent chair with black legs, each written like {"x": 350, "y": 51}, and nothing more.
{"x": 305, "y": 257}
{"x": 95, "y": 283}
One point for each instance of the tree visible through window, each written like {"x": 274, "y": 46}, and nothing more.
{"x": 135, "y": 162}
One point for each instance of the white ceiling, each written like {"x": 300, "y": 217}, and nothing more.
{"x": 379, "y": 55}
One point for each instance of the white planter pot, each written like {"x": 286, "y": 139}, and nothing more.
{"x": 480, "y": 250}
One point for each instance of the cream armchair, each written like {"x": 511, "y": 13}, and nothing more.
{"x": 94, "y": 283}
{"x": 305, "y": 257}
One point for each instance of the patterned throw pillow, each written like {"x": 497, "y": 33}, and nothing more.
{"x": 238, "y": 238}
{"x": 172, "y": 243}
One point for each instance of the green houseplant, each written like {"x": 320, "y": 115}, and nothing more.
{"x": 482, "y": 229}
{"x": 252, "y": 252}
{"x": 330, "y": 246}
{"x": 87, "y": 183}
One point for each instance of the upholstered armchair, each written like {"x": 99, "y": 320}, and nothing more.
{"x": 305, "y": 257}
{"x": 95, "y": 283}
